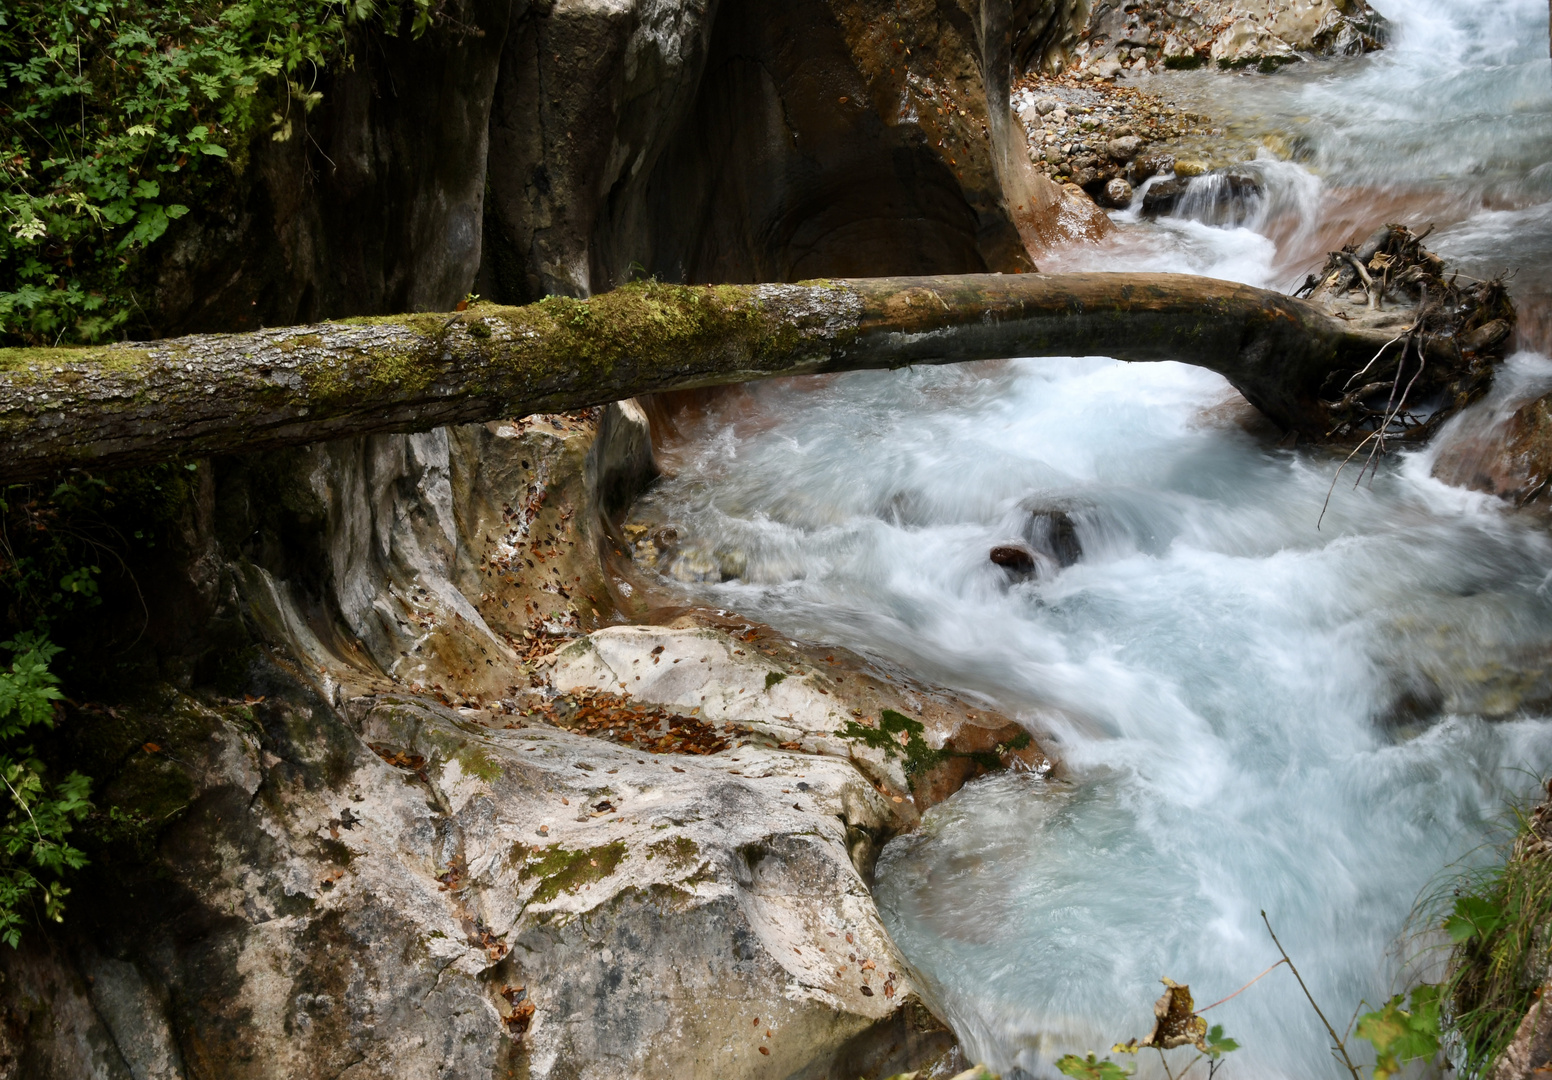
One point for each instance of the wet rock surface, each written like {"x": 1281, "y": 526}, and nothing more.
{"x": 1511, "y": 459}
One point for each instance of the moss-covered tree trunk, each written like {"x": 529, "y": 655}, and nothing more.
{"x": 136, "y": 403}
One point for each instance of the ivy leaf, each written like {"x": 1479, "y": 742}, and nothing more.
{"x": 1474, "y": 917}
{"x": 176, "y": 211}
{"x": 213, "y": 150}
{"x": 1218, "y": 1043}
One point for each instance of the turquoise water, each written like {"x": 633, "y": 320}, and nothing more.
{"x": 1252, "y": 712}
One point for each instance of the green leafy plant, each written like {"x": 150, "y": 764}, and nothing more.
{"x": 117, "y": 115}
{"x": 34, "y": 854}
{"x": 1176, "y": 1024}
{"x": 1500, "y": 927}
{"x": 1400, "y": 1035}
{"x": 1091, "y": 1068}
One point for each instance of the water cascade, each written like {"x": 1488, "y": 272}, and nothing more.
{"x": 1254, "y": 708}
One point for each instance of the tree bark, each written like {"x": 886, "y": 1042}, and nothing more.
{"x": 138, "y": 403}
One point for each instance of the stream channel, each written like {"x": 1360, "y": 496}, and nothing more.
{"x": 1252, "y": 710}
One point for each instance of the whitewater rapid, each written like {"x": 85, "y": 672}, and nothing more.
{"x": 1254, "y": 708}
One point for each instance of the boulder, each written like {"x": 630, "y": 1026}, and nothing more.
{"x": 360, "y": 826}
{"x": 403, "y": 890}
{"x": 1511, "y": 456}
{"x": 1124, "y": 148}
{"x": 1118, "y": 193}
{"x": 1160, "y": 199}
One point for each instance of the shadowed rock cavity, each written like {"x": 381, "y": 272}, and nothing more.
{"x": 756, "y": 141}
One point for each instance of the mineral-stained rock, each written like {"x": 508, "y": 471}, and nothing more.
{"x": 1510, "y": 457}
{"x": 1017, "y": 558}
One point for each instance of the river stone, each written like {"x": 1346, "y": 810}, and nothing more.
{"x": 1119, "y": 193}
{"x": 1162, "y": 198}
{"x": 1124, "y": 148}
{"x": 1016, "y": 558}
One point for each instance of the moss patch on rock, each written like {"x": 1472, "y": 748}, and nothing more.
{"x": 681, "y": 852}
{"x": 563, "y": 870}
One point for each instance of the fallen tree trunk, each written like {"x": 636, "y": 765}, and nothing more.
{"x": 137, "y": 403}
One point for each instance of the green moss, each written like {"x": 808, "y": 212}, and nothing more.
{"x": 476, "y": 761}
{"x": 150, "y": 792}
{"x": 1188, "y": 62}
{"x": 390, "y": 371}
{"x": 919, "y": 757}
{"x": 562, "y": 870}
{"x": 681, "y": 852}
{"x": 300, "y": 341}
{"x": 772, "y": 678}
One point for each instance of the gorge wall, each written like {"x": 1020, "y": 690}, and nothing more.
{"x": 524, "y": 148}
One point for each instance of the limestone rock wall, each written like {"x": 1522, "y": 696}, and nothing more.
{"x": 527, "y": 147}
{"x": 384, "y": 809}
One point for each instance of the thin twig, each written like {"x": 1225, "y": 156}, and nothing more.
{"x": 1338, "y": 476}
{"x": 1335, "y": 1038}
{"x": 1184, "y": 1072}
{"x": 1377, "y": 355}
{"x": 1247, "y": 986}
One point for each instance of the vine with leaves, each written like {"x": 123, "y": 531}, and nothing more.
{"x": 117, "y": 115}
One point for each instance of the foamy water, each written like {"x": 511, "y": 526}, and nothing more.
{"x": 1252, "y": 712}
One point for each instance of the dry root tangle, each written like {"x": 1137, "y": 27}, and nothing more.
{"x": 1440, "y": 360}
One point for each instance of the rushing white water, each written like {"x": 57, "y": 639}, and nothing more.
{"x": 1252, "y": 712}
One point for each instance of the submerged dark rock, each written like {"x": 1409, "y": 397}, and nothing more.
{"x": 1161, "y": 199}
{"x": 1015, "y": 557}
{"x": 1052, "y": 544}
{"x": 1055, "y": 531}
